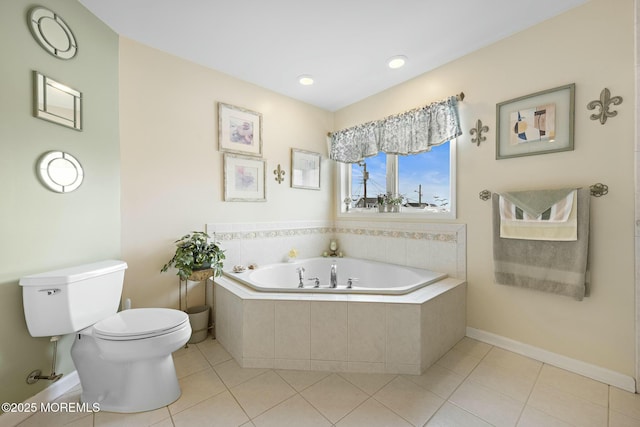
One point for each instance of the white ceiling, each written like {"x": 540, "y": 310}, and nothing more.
{"x": 343, "y": 44}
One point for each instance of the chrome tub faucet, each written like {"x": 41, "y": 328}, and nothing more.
{"x": 334, "y": 275}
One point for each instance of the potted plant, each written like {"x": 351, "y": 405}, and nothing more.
{"x": 394, "y": 203}
{"x": 195, "y": 252}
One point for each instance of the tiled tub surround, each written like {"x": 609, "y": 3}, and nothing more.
{"x": 365, "y": 333}
{"x": 434, "y": 246}
{"x": 270, "y": 242}
{"x": 400, "y": 334}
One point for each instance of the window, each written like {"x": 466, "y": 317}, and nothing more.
{"x": 425, "y": 181}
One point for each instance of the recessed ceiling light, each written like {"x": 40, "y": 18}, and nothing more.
{"x": 397, "y": 61}
{"x": 305, "y": 80}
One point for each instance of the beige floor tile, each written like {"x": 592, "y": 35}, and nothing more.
{"x": 485, "y": 385}
{"x": 213, "y": 351}
{"x": 512, "y": 362}
{"x": 184, "y": 350}
{"x": 293, "y": 412}
{"x": 334, "y": 397}
{"x": 219, "y": 410}
{"x": 262, "y": 393}
{"x": 450, "y": 415}
{"x": 190, "y": 362}
{"x": 409, "y": 400}
{"x": 512, "y": 380}
{"x": 369, "y": 383}
{"x": 300, "y": 380}
{"x": 438, "y": 380}
{"x": 624, "y": 402}
{"x": 567, "y": 407}
{"x": 52, "y": 419}
{"x": 493, "y": 407}
{"x": 617, "y": 419}
{"x": 139, "y": 419}
{"x": 196, "y": 388}
{"x": 232, "y": 374}
{"x": 458, "y": 362}
{"x": 372, "y": 414}
{"x": 60, "y": 417}
{"x": 532, "y": 417}
{"x": 575, "y": 384}
{"x": 472, "y": 347}
{"x": 168, "y": 422}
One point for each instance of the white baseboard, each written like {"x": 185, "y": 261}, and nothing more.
{"x": 49, "y": 394}
{"x": 588, "y": 370}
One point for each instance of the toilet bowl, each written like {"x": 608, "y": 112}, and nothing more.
{"x": 124, "y": 362}
{"x": 123, "y": 359}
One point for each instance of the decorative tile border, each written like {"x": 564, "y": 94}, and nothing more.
{"x": 450, "y": 237}
{"x": 270, "y": 234}
{"x": 446, "y": 237}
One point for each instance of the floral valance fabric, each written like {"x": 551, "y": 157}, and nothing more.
{"x": 411, "y": 132}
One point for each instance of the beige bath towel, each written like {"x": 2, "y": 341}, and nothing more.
{"x": 558, "y": 267}
{"x": 559, "y": 222}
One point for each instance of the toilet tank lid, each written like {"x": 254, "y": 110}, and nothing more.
{"x": 68, "y": 275}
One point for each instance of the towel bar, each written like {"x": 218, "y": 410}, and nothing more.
{"x": 597, "y": 190}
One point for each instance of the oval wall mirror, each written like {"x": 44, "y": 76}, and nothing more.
{"x": 52, "y": 33}
{"x": 60, "y": 171}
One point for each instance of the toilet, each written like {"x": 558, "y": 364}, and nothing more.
{"x": 123, "y": 359}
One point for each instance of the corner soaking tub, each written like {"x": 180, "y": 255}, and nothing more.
{"x": 367, "y": 277}
{"x": 395, "y": 319}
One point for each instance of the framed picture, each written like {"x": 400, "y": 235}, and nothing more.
{"x": 239, "y": 130}
{"x": 305, "y": 169}
{"x": 244, "y": 179}
{"x": 539, "y": 123}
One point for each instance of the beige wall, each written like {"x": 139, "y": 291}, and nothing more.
{"x": 571, "y": 48}
{"x": 172, "y": 180}
{"x": 41, "y": 230}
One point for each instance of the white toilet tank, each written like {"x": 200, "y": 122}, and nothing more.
{"x": 70, "y": 299}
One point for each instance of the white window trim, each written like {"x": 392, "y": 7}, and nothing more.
{"x": 343, "y": 178}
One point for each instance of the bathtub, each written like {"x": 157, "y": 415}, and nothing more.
{"x": 367, "y": 277}
{"x": 396, "y": 319}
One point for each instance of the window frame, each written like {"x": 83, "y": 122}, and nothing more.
{"x": 344, "y": 191}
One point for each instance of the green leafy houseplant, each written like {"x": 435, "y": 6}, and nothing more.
{"x": 195, "y": 252}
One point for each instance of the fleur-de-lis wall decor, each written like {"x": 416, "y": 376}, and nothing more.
{"x": 603, "y": 103}
{"x": 279, "y": 173}
{"x": 478, "y": 130}
{"x": 485, "y": 195}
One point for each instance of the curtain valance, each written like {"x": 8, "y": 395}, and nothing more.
{"x": 412, "y": 132}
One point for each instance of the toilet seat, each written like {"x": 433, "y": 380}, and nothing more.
{"x": 140, "y": 323}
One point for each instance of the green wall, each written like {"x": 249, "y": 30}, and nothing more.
{"x": 39, "y": 229}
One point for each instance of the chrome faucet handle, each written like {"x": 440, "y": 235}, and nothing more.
{"x": 316, "y": 280}
{"x": 300, "y": 271}
{"x": 350, "y": 282}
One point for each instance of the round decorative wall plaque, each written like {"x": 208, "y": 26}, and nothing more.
{"x": 52, "y": 33}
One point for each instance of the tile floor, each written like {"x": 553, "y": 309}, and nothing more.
{"x": 475, "y": 384}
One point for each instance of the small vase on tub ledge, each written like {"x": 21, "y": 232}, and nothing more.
{"x": 196, "y": 259}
